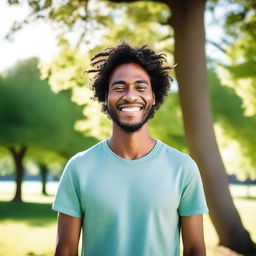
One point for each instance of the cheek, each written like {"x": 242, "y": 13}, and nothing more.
{"x": 112, "y": 99}
{"x": 150, "y": 98}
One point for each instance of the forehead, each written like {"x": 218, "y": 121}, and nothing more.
{"x": 129, "y": 71}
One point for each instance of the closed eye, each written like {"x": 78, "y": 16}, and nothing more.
{"x": 141, "y": 88}
{"x": 142, "y": 85}
{"x": 118, "y": 88}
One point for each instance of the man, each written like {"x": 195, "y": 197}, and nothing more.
{"x": 130, "y": 194}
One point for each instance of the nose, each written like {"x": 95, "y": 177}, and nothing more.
{"x": 130, "y": 95}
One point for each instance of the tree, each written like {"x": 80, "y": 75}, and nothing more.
{"x": 32, "y": 116}
{"x": 187, "y": 21}
{"x": 47, "y": 161}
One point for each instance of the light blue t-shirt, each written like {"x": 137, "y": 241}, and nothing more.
{"x": 130, "y": 207}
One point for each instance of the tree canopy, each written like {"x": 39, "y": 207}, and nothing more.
{"x": 37, "y": 121}
{"x": 32, "y": 115}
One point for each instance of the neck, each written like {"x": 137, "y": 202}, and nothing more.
{"x": 133, "y": 145}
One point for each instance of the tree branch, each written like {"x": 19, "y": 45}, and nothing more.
{"x": 217, "y": 46}
{"x": 21, "y": 152}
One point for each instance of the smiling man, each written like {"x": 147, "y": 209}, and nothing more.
{"x": 124, "y": 112}
{"x": 130, "y": 194}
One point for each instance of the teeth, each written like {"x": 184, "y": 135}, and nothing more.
{"x": 130, "y": 109}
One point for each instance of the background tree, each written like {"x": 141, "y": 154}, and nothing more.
{"x": 32, "y": 116}
{"x": 48, "y": 163}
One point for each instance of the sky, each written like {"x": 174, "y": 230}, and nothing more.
{"x": 38, "y": 39}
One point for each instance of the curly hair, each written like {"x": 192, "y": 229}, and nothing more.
{"x": 104, "y": 63}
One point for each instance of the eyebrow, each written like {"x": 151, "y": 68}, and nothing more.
{"x": 142, "y": 82}
{"x": 118, "y": 82}
{"x": 125, "y": 83}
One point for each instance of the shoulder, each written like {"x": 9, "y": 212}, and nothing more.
{"x": 176, "y": 155}
{"x": 88, "y": 152}
{"x": 182, "y": 163}
{"x": 84, "y": 158}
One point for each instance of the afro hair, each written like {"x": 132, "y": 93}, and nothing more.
{"x": 104, "y": 63}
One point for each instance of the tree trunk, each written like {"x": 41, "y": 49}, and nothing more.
{"x": 18, "y": 156}
{"x": 44, "y": 172}
{"x": 188, "y": 23}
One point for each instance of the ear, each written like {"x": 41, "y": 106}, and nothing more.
{"x": 154, "y": 98}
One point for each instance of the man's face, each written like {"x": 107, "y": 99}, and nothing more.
{"x": 130, "y": 97}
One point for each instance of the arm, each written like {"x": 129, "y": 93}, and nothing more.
{"x": 193, "y": 235}
{"x": 69, "y": 229}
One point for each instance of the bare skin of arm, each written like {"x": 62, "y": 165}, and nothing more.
{"x": 192, "y": 235}
{"x": 69, "y": 229}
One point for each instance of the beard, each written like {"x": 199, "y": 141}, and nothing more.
{"x": 130, "y": 128}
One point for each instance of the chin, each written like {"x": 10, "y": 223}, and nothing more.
{"x": 130, "y": 128}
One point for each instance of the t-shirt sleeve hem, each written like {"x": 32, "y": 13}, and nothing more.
{"x": 194, "y": 212}
{"x": 64, "y": 210}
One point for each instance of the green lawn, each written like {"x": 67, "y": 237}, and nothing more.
{"x": 29, "y": 229}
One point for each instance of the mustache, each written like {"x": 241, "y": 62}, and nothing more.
{"x": 131, "y": 104}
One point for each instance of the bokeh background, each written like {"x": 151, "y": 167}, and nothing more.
{"x": 47, "y": 115}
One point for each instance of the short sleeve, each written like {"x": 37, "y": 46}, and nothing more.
{"x": 192, "y": 200}
{"x": 67, "y": 199}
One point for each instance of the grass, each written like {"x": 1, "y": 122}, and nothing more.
{"x": 29, "y": 229}
{"x": 31, "y": 214}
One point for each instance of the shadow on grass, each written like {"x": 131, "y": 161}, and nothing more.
{"x": 34, "y": 214}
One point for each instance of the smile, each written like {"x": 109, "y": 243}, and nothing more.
{"x": 131, "y": 109}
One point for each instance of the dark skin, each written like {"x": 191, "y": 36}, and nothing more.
{"x": 130, "y": 97}
{"x": 130, "y": 90}
{"x": 69, "y": 229}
